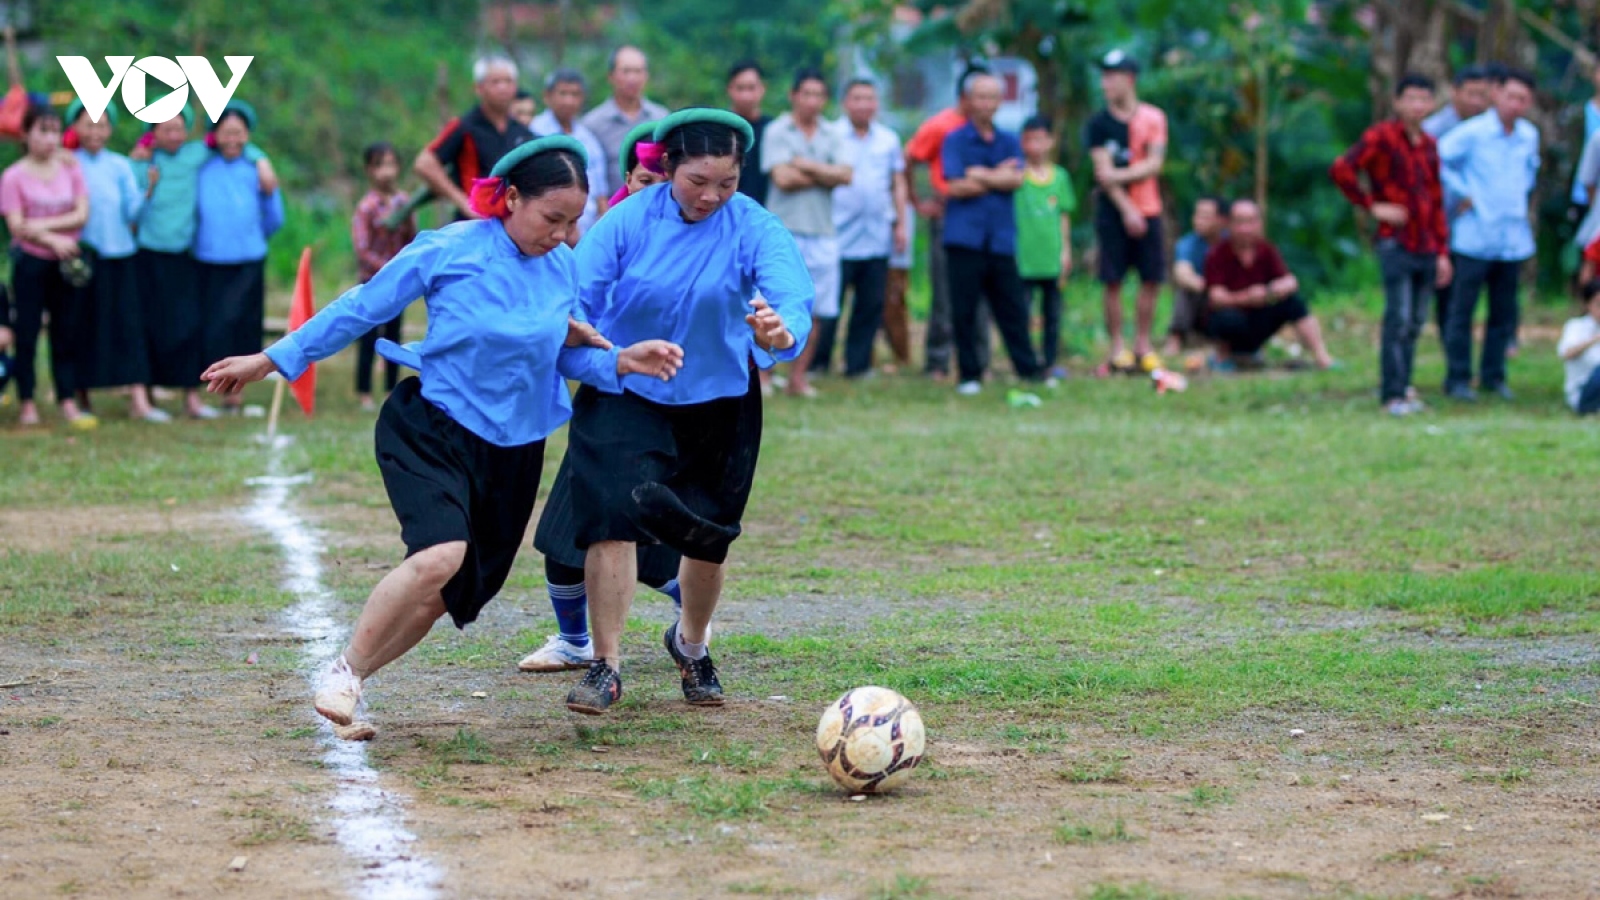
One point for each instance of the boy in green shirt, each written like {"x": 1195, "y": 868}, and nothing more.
{"x": 1045, "y": 204}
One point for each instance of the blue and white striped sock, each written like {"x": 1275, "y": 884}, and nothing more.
{"x": 571, "y": 605}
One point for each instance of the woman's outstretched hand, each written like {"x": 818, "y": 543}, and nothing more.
{"x": 232, "y": 374}
{"x": 771, "y": 333}
{"x": 658, "y": 359}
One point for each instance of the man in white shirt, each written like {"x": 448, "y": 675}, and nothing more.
{"x": 869, "y": 215}
{"x": 564, "y": 91}
{"x": 1580, "y": 352}
{"x": 802, "y": 154}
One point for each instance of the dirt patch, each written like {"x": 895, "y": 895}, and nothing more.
{"x": 132, "y": 773}
{"x": 40, "y": 530}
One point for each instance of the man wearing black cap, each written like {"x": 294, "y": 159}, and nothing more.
{"x": 1128, "y": 143}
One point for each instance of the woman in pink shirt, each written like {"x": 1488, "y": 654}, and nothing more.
{"x": 45, "y": 202}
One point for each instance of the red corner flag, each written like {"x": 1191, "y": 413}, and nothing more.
{"x": 304, "y": 387}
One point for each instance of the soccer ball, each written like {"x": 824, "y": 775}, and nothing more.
{"x": 870, "y": 740}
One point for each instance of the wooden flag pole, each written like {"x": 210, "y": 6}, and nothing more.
{"x": 277, "y": 405}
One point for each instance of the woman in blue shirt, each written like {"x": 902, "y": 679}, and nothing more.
{"x": 461, "y": 448}
{"x": 167, "y": 165}
{"x": 114, "y": 350}
{"x": 674, "y": 463}
{"x": 571, "y": 647}
{"x": 236, "y": 217}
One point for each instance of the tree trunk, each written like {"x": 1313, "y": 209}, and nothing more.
{"x": 1263, "y": 130}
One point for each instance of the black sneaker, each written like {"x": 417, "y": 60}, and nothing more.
{"x": 600, "y": 688}
{"x": 700, "y": 684}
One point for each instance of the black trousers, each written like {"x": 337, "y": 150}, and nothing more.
{"x": 1472, "y": 274}
{"x": 868, "y": 283}
{"x": 976, "y": 276}
{"x": 366, "y": 355}
{"x": 37, "y": 288}
{"x": 1245, "y": 330}
{"x": 1049, "y": 291}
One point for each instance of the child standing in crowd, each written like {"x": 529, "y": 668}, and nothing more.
{"x": 46, "y": 203}
{"x": 167, "y": 165}
{"x": 376, "y": 243}
{"x": 1580, "y": 351}
{"x": 113, "y": 351}
{"x": 237, "y": 214}
{"x": 1044, "y": 204}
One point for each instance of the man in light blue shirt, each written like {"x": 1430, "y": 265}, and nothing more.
{"x": 1489, "y": 165}
{"x": 1469, "y": 98}
{"x": 869, "y": 216}
{"x": 564, "y": 91}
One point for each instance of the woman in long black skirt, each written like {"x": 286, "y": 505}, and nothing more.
{"x": 461, "y": 449}
{"x": 674, "y": 463}
{"x": 114, "y": 351}
{"x": 237, "y": 214}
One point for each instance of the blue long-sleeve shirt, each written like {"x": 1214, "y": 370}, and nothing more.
{"x": 115, "y": 201}
{"x": 168, "y": 221}
{"x": 644, "y": 274}
{"x": 494, "y": 358}
{"x": 1495, "y": 170}
{"x": 234, "y": 218}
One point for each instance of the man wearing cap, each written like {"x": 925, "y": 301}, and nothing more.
{"x": 564, "y": 91}
{"x": 473, "y": 142}
{"x": 629, "y": 73}
{"x": 1127, "y": 142}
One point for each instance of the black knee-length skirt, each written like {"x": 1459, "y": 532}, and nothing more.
{"x": 447, "y": 484}
{"x": 114, "y": 351}
{"x": 234, "y": 300}
{"x": 650, "y": 473}
{"x": 169, "y": 292}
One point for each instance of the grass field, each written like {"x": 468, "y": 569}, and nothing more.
{"x": 1254, "y": 640}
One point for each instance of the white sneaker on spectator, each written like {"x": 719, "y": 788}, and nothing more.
{"x": 205, "y": 412}
{"x": 155, "y": 416}
{"x": 558, "y": 655}
{"x": 969, "y": 388}
{"x": 1399, "y": 408}
{"x": 338, "y": 693}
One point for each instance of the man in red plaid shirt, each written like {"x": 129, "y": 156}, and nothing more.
{"x": 1405, "y": 195}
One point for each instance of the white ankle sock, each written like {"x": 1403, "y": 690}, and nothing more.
{"x": 693, "y": 651}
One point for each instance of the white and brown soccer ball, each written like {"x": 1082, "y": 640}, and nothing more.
{"x": 870, "y": 740}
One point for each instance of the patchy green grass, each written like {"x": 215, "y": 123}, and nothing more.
{"x": 722, "y": 797}
{"x": 1073, "y": 832}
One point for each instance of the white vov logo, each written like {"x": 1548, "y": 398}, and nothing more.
{"x": 188, "y": 72}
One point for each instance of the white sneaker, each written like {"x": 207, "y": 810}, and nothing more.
{"x": 557, "y": 655}
{"x": 969, "y": 388}
{"x": 338, "y": 693}
{"x": 156, "y": 416}
{"x": 205, "y": 412}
